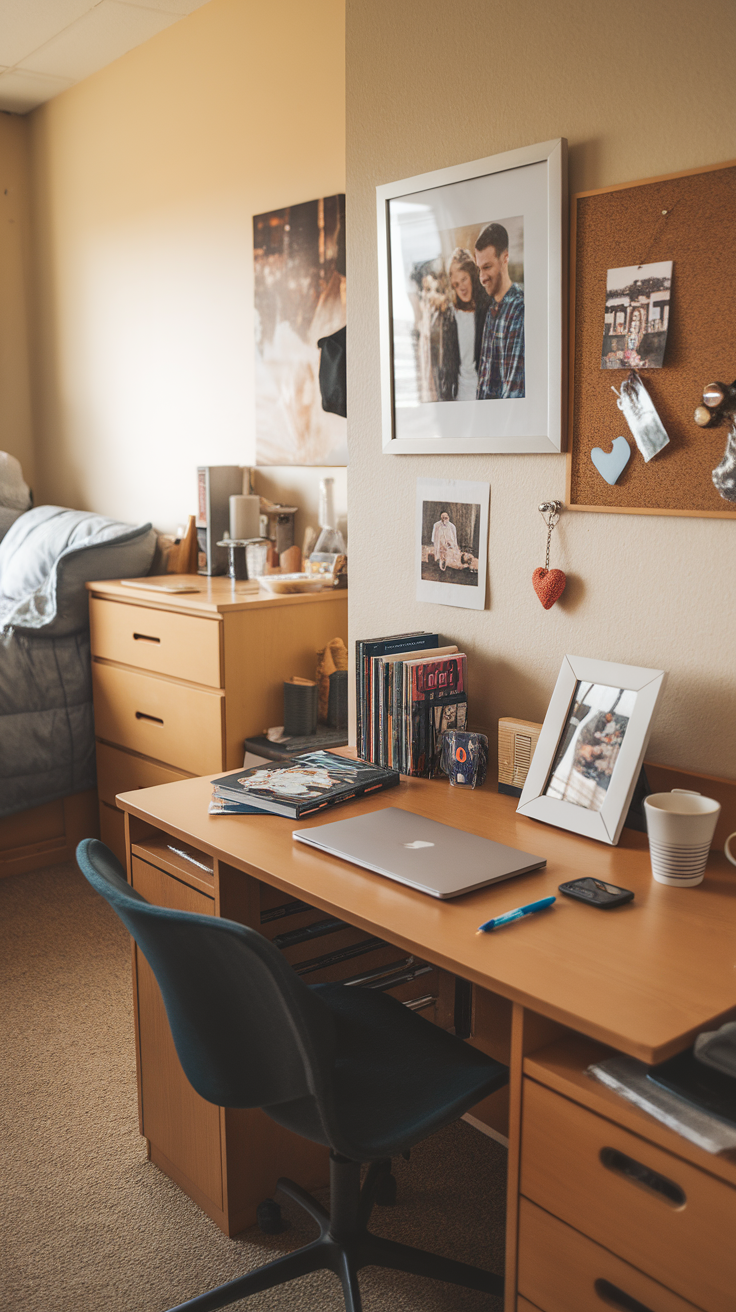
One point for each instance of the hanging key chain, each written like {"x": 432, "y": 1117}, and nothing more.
{"x": 549, "y": 584}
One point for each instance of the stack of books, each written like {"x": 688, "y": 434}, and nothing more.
{"x": 410, "y": 688}
{"x": 310, "y": 783}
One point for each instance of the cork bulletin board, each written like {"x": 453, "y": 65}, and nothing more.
{"x": 622, "y": 226}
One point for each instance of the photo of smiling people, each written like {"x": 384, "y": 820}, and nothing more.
{"x": 589, "y": 748}
{"x": 466, "y": 341}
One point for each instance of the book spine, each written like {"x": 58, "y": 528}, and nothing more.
{"x": 359, "y": 708}
{"x": 397, "y": 676}
{"x": 376, "y": 711}
{"x": 309, "y": 808}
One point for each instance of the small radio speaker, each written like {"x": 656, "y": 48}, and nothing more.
{"x": 516, "y": 742}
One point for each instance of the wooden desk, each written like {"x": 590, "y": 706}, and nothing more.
{"x": 548, "y": 993}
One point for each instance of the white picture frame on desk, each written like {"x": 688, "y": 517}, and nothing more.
{"x": 591, "y": 748}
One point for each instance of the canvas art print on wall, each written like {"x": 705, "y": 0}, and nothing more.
{"x": 299, "y": 268}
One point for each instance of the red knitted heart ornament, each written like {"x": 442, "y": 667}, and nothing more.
{"x": 549, "y": 585}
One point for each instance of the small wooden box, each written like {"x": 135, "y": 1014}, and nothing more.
{"x": 516, "y": 742}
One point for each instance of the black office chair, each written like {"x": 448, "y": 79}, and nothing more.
{"x": 349, "y": 1068}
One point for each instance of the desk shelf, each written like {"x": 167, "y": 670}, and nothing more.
{"x": 600, "y": 1177}
{"x": 563, "y": 1065}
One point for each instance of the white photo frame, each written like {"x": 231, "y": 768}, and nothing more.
{"x": 420, "y": 221}
{"x": 570, "y": 750}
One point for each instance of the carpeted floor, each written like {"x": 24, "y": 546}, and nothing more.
{"x": 88, "y": 1224}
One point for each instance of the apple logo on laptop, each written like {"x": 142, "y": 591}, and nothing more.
{"x": 418, "y": 842}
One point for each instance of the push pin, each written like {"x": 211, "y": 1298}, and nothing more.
{"x": 718, "y": 399}
{"x": 719, "y": 402}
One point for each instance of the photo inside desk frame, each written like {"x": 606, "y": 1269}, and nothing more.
{"x": 626, "y": 225}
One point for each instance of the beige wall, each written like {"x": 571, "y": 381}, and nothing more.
{"x": 16, "y": 427}
{"x": 146, "y": 177}
{"x": 638, "y": 90}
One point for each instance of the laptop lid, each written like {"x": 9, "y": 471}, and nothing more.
{"x": 424, "y": 854}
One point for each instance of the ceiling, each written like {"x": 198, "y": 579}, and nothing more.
{"x": 48, "y": 45}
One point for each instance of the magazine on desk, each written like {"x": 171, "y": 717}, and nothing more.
{"x": 312, "y": 782}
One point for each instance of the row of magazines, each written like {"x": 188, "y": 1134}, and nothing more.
{"x": 410, "y": 688}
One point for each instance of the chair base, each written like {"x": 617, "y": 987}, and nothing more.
{"x": 344, "y": 1246}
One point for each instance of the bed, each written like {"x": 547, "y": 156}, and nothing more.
{"x": 47, "y": 754}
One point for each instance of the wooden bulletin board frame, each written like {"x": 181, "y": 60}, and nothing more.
{"x": 614, "y": 227}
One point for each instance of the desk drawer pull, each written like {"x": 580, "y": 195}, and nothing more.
{"x": 154, "y": 719}
{"x": 615, "y": 1297}
{"x": 638, "y": 1173}
{"x": 144, "y": 637}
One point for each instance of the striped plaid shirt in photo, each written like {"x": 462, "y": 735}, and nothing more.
{"x": 501, "y": 371}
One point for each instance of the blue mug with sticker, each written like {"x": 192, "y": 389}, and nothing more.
{"x": 464, "y": 758}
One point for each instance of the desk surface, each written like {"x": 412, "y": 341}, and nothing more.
{"x": 644, "y": 978}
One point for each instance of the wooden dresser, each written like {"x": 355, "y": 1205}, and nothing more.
{"x": 181, "y": 679}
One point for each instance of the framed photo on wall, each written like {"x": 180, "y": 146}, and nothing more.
{"x": 472, "y": 303}
{"x": 587, "y": 761}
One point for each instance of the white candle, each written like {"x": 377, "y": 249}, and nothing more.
{"x": 245, "y": 517}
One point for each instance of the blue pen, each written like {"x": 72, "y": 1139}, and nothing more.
{"x": 517, "y": 914}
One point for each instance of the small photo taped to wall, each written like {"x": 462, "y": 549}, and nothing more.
{"x": 452, "y": 542}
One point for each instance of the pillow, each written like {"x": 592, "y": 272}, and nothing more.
{"x": 48, "y": 555}
{"x": 14, "y": 491}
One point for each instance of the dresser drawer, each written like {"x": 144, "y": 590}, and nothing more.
{"x": 181, "y": 646}
{"x": 173, "y": 723}
{"x": 666, "y": 1217}
{"x": 119, "y": 772}
{"x": 562, "y": 1271}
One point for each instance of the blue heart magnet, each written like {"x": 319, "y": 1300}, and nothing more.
{"x": 611, "y": 464}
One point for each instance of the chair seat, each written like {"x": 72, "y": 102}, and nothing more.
{"x": 397, "y": 1076}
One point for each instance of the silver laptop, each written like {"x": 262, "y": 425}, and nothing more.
{"x": 429, "y": 856}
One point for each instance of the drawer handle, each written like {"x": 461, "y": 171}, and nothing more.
{"x": 615, "y": 1297}
{"x": 141, "y": 715}
{"x": 643, "y": 1175}
{"x": 144, "y": 637}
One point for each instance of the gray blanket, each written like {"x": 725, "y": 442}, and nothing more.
{"x": 47, "y": 747}
{"x": 46, "y": 717}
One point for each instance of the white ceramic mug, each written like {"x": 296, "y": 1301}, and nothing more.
{"x": 680, "y": 825}
{"x": 727, "y": 849}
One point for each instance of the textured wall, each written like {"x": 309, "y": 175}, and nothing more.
{"x": 146, "y": 177}
{"x": 638, "y": 90}
{"x": 16, "y": 432}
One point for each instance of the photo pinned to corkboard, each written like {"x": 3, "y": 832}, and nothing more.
{"x": 621, "y": 404}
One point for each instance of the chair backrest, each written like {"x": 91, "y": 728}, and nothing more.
{"x": 248, "y": 1031}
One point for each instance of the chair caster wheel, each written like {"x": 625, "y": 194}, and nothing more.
{"x": 270, "y": 1220}
{"x": 386, "y": 1191}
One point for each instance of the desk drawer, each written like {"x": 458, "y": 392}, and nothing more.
{"x": 119, "y": 772}
{"x": 171, "y": 722}
{"x": 562, "y": 1271}
{"x": 176, "y": 1121}
{"x": 666, "y": 1217}
{"x": 181, "y": 646}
